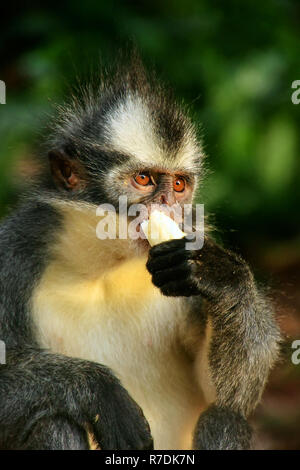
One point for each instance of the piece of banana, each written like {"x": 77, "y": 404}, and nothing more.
{"x": 160, "y": 228}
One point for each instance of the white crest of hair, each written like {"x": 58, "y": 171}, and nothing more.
{"x": 130, "y": 129}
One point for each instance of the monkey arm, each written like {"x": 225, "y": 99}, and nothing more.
{"x": 242, "y": 336}
{"x": 48, "y": 401}
{"x": 232, "y": 367}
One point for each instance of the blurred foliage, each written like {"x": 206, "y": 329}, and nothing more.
{"x": 234, "y": 62}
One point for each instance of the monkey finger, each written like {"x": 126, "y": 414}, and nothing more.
{"x": 117, "y": 436}
{"x": 163, "y": 261}
{"x": 165, "y": 247}
{"x": 180, "y": 288}
{"x": 122, "y": 424}
{"x": 182, "y": 272}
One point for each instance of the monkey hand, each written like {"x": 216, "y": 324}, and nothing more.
{"x": 120, "y": 423}
{"x": 217, "y": 274}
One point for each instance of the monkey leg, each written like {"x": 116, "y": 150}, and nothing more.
{"x": 222, "y": 429}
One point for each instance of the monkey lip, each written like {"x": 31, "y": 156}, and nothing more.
{"x": 143, "y": 240}
{"x": 139, "y": 227}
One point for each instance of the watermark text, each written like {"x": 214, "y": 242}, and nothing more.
{"x": 296, "y": 94}
{"x": 2, "y": 352}
{"x": 296, "y": 353}
{"x": 125, "y": 222}
{"x": 2, "y": 92}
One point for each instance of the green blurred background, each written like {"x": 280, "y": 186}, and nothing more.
{"x": 234, "y": 63}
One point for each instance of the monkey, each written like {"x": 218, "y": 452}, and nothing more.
{"x": 137, "y": 347}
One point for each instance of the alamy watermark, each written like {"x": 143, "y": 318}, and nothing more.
{"x": 296, "y": 94}
{"x": 125, "y": 222}
{"x": 296, "y": 354}
{"x": 2, "y": 352}
{"x": 2, "y": 92}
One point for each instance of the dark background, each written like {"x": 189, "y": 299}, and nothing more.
{"x": 234, "y": 63}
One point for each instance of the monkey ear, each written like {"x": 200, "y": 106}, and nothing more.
{"x": 66, "y": 172}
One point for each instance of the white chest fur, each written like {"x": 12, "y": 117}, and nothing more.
{"x": 121, "y": 320}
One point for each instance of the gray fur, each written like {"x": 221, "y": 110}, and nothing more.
{"x": 47, "y": 399}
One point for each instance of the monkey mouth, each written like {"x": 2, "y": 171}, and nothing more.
{"x": 142, "y": 240}
{"x": 140, "y": 230}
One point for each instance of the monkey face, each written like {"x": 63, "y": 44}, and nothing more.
{"x": 158, "y": 189}
{"x": 129, "y": 139}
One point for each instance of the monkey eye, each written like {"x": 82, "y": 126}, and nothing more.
{"x": 143, "y": 179}
{"x": 179, "y": 185}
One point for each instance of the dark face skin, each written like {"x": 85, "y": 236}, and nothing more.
{"x": 159, "y": 187}
{"x": 162, "y": 187}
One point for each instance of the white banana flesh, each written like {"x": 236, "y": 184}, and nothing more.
{"x": 160, "y": 228}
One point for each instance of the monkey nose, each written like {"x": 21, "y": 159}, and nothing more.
{"x": 167, "y": 199}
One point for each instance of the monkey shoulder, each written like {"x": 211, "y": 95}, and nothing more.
{"x": 24, "y": 240}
